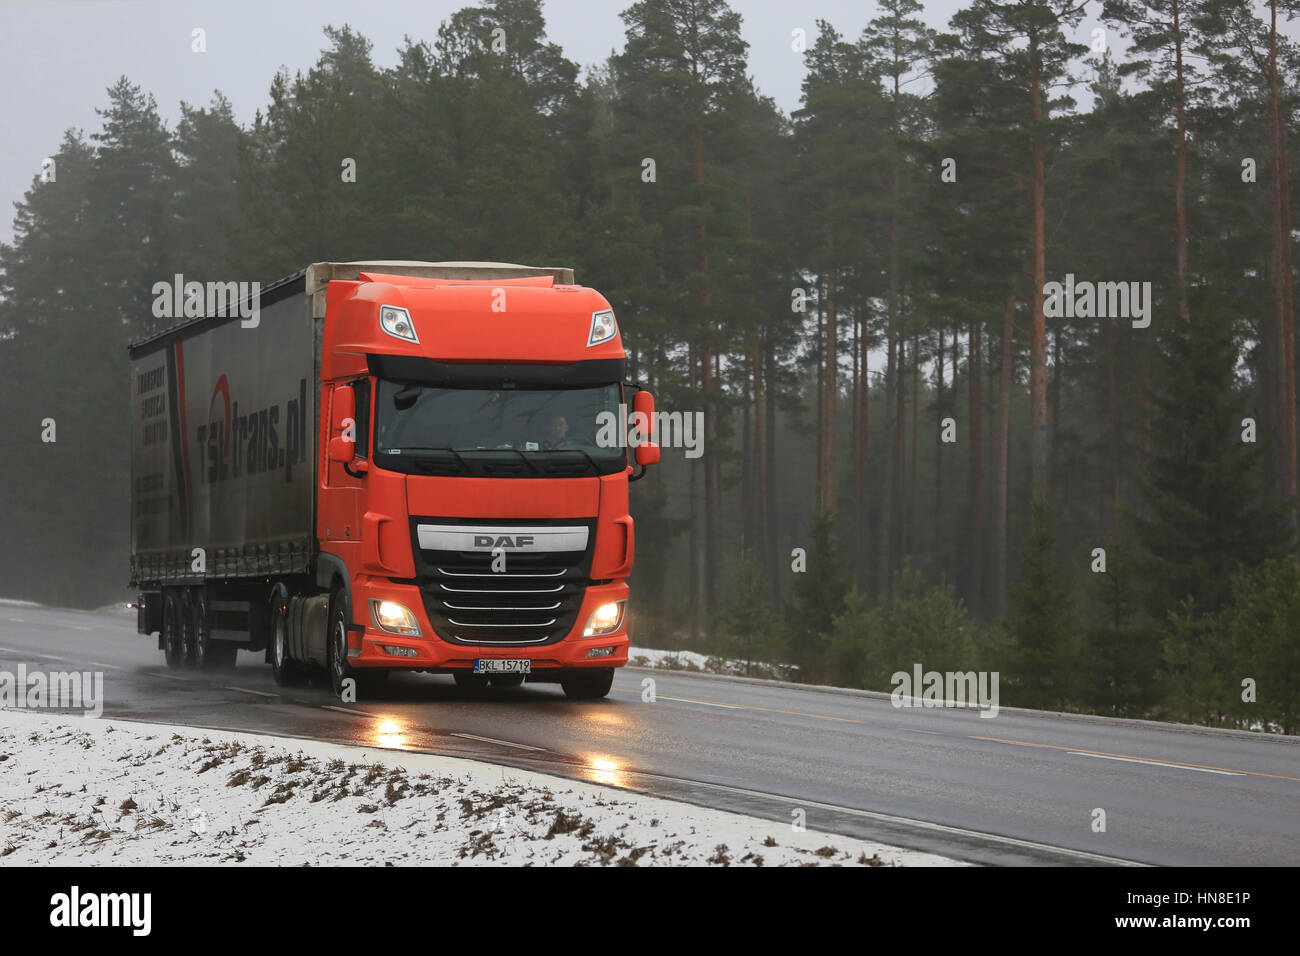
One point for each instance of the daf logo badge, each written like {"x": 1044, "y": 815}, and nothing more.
{"x": 503, "y": 541}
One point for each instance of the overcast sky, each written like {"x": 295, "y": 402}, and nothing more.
{"x": 57, "y": 58}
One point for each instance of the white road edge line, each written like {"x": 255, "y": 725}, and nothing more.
{"x": 344, "y": 710}
{"x": 922, "y": 824}
{"x": 259, "y": 693}
{"x": 1155, "y": 763}
{"x": 111, "y": 667}
{"x": 706, "y": 703}
{"x": 493, "y": 740}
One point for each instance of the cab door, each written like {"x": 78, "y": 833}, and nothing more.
{"x": 343, "y": 490}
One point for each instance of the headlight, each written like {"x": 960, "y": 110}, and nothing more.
{"x": 394, "y": 618}
{"x": 397, "y": 323}
{"x": 606, "y": 619}
{"x": 603, "y": 327}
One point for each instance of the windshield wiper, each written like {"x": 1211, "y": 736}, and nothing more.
{"x": 594, "y": 466}
{"x": 531, "y": 466}
{"x": 450, "y": 451}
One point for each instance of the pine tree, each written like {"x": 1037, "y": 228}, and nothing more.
{"x": 1203, "y": 519}
{"x": 1039, "y": 624}
{"x": 818, "y": 596}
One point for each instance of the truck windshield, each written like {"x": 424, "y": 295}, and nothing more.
{"x": 500, "y": 432}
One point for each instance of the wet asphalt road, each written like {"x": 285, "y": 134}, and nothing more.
{"x": 1019, "y": 788}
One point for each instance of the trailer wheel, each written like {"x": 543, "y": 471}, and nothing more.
{"x": 368, "y": 681}
{"x": 286, "y": 671}
{"x": 172, "y": 639}
{"x": 588, "y": 684}
{"x": 189, "y": 646}
{"x": 210, "y": 655}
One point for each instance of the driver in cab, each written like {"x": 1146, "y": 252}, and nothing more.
{"x": 556, "y": 434}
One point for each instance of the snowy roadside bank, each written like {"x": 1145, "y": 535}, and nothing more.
{"x": 96, "y": 791}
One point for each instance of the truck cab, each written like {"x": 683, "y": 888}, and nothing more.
{"x": 473, "y": 479}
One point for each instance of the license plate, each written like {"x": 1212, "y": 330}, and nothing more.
{"x": 502, "y": 665}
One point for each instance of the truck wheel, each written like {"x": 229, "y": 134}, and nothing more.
{"x": 286, "y": 671}
{"x": 173, "y": 646}
{"x": 189, "y": 646}
{"x": 210, "y": 655}
{"x": 588, "y": 684}
{"x": 369, "y": 681}
{"x": 467, "y": 680}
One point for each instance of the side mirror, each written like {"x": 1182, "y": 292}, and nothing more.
{"x": 344, "y": 407}
{"x": 643, "y": 403}
{"x": 643, "y": 409}
{"x": 647, "y": 453}
{"x": 341, "y": 450}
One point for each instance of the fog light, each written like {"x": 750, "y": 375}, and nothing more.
{"x": 400, "y": 651}
{"x": 600, "y": 652}
{"x": 605, "y": 619}
{"x": 394, "y": 618}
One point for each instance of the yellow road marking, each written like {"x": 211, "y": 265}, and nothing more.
{"x": 1160, "y": 760}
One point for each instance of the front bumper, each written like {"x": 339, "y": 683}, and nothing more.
{"x": 431, "y": 653}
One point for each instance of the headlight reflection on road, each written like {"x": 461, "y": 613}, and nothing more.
{"x": 390, "y": 732}
{"x": 607, "y": 717}
{"x": 604, "y": 770}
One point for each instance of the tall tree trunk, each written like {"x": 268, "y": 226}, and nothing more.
{"x": 1282, "y": 275}
{"x": 1038, "y": 332}
{"x": 895, "y": 339}
{"x": 976, "y": 440}
{"x": 912, "y": 536}
{"x": 713, "y": 478}
{"x": 1111, "y": 516}
{"x": 861, "y": 475}
{"x": 712, "y": 496}
{"x": 896, "y": 466}
{"x": 890, "y": 548}
{"x": 775, "y": 563}
{"x": 1180, "y": 177}
{"x": 827, "y": 484}
{"x": 696, "y": 569}
{"x": 1054, "y": 440}
{"x": 820, "y": 348}
{"x": 1004, "y": 452}
{"x": 758, "y": 514}
{"x": 936, "y": 515}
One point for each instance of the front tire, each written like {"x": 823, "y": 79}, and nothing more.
{"x": 367, "y": 681}
{"x": 588, "y": 684}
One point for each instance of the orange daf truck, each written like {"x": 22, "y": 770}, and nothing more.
{"x": 369, "y": 466}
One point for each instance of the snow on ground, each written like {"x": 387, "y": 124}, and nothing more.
{"x": 97, "y": 791}
{"x": 14, "y": 602}
{"x": 695, "y": 661}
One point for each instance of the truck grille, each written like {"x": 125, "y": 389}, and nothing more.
{"x": 535, "y": 601}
